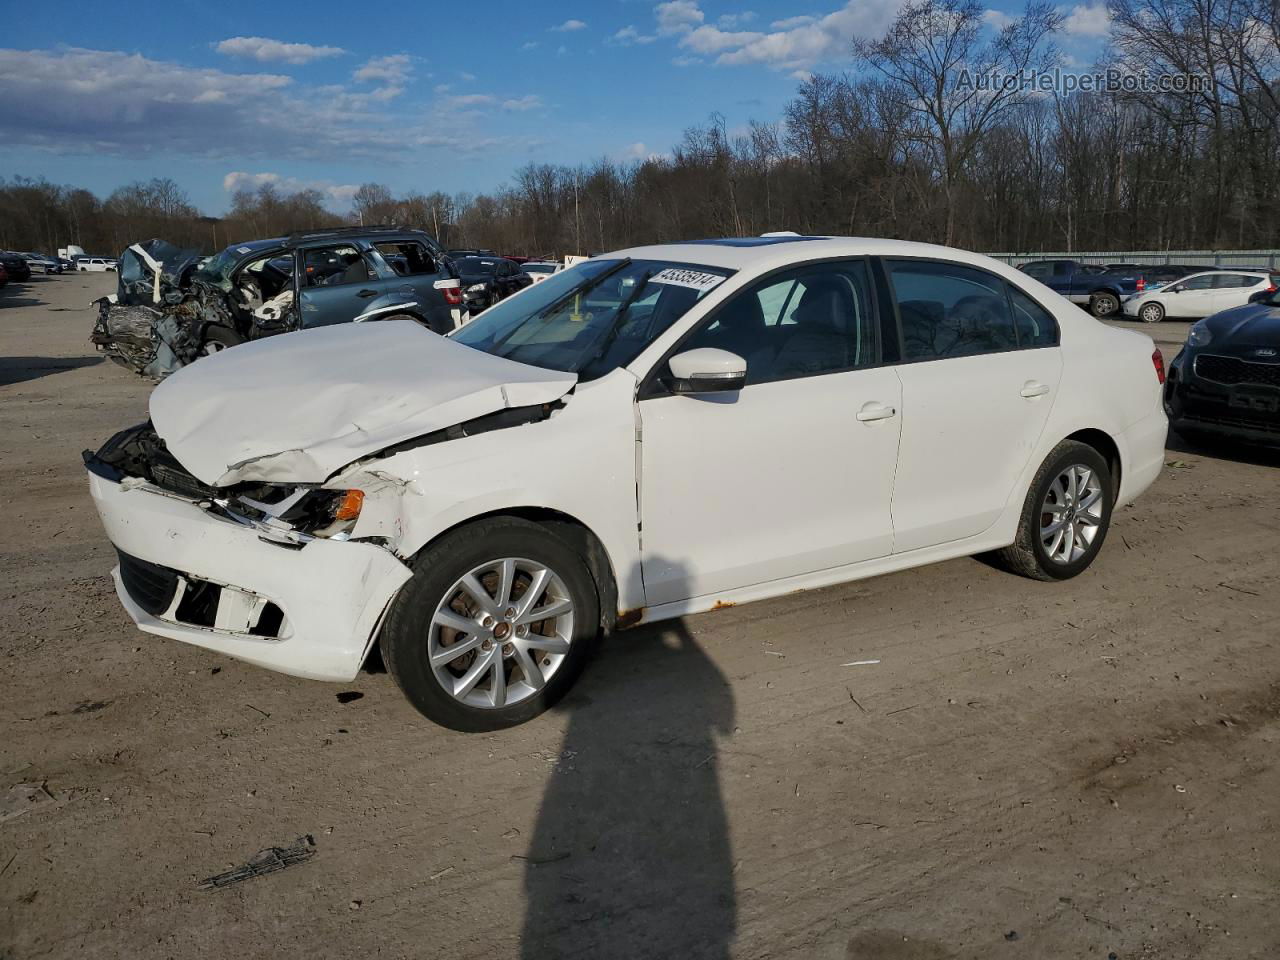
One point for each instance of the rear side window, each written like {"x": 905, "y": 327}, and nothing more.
{"x": 1231, "y": 281}
{"x": 1035, "y": 325}
{"x": 1041, "y": 271}
{"x": 950, "y": 310}
{"x": 407, "y": 258}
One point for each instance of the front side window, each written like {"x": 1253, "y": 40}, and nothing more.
{"x": 334, "y": 266}
{"x": 594, "y": 317}
{"x": 950, "y": 310}
{"x": 814, "y": 320}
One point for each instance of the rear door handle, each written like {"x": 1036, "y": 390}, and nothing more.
{"x": 1033, "y": 388}
{"x": 367, "y": 293}
{"x": 875, "y": 411}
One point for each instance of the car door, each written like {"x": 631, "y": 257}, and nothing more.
{"x": 791, "y": 474}
{"x": 978, "y": 381}
{"x": 418, "y": 269}
{"x": 1191, "y": 297}
{"x": 337, "y": 283}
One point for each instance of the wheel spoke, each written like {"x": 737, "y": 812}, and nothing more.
{"x": 506, "y": 578}
{"x": 537, "y": 585}
{"x": 478, "y": 669}
{"x": 452, "y": 652}
{"x": 1068, "y": 541}
{"x": 447, "y": 618}
{"x": 532, "y": 674}
{"x": 1052, "y": 528}
{"x": 1090, "y": 499}
{"x": 556, "y": 644}
{"x": 553, "y": 609}
{"x": 479, "y": 594}
{"x": 1057, "y": 544}
{"x": 498, "y": 691}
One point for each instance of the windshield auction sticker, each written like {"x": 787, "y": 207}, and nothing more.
{"x": 694, "y": 279}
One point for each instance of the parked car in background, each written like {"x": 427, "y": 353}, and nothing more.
{"x": 4, "y": 276}
{"x": 486, "y": 280}
{"x": 15, "y": 264}
{"x": 96, "y": 264}
{"x": 38, "y": 262}
{"x": 1198, "y": 295}
{"x": 458, "y": 254}
{"x": 173, "y": 306}
{"x": 539, "y": 270}
{"x": 775, "y": 414}
{"x": 1093, "y": 286}
{"x": 1225, "y": 382}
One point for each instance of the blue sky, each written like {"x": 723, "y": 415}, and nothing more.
{"x": 425, "y": 96}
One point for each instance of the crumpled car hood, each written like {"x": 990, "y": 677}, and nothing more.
{"x": 298, "y": 407}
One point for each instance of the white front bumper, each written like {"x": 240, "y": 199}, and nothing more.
{"x": 332, "y": 593}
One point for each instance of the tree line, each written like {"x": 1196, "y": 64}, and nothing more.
{"x": 902, "y": 144}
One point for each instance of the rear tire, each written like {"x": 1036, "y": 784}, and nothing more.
{"x": 435, "y": 612}
{"x": 1065, "y": 517}
{"x": 1103, "y": 304}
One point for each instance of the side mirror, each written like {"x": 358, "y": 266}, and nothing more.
{"x": 1177, "y": 288}
{"x": 706, "y": 370}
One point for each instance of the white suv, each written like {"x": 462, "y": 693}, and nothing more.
{"x": 653, "y": 433}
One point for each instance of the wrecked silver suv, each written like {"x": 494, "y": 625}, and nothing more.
{"x": 173, "y": 306}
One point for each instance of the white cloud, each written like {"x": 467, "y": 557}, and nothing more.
{"x": 678, "y": 16}
{"x": 471, "y": 100}
{"x": 265, "y": 50}
{"x": 1088, "y": 20}
{"x": 789, "y": 23}
{"x": 241, "y": 180}
{"x": 731, "y": 21}
{"x": 529, "y": 102}
{"x": 996, "y": 19}
{"x": 569, "y": 26}
{"x": 685, "y": 61}
{"x": 74, "y": 101}
{"x": 442, "y": 87}
{"x": 798, "y": 47}
{"x": 529, "y": 45}
{"x": 629, "y": 35}
{"x": 467, "y": 77}
{"x": 394, "y": 70}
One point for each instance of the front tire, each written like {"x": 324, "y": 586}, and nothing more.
{"x": 216, "y": 339}
{"x": 495, "y": 626}
{"x": 1151, "y": 313}
{"x": 1065, "y": 517}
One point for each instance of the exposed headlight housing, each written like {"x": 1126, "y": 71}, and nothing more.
{"x": 476, "y": 288}
{"x": 303, "y": 514}
{"x": 1199, "y": 335}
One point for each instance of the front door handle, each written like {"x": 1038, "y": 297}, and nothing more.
{"x": 365, "y": 294}
{"x": 874, "y": 410}
{"x": 1033, "y": 388}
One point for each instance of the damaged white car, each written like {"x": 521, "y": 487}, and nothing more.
{"x": 652, "y": 433}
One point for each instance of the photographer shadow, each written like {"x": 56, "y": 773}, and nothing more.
{"x": 630, "y": 856}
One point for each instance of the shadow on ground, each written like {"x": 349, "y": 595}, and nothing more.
{"x": 1224, "y": 450}
{"x": 630, "y": 856}
{"x": 21, "y": 369}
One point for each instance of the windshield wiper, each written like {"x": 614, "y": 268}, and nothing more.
{"x": 615, "y": 325}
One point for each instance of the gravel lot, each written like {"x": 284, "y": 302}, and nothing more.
{"x": 1030, "y": 770}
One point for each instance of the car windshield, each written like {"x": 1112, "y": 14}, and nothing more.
{"x": 594, "y": 317}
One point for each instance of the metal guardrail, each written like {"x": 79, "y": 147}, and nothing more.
{"x": 1210, "y": 258}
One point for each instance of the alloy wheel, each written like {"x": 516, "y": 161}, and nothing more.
{"x": 1071, "y": 514}
{"x": 500, "y": 633}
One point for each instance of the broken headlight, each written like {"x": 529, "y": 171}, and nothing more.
{"x": 301, "y": 514}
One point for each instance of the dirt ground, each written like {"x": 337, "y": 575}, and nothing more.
{"x": 1086, "y": 769}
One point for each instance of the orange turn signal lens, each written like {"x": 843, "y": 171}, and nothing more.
{"x": 349, "y": 506}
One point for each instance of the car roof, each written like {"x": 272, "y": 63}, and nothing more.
{"x": 733, "y": 254}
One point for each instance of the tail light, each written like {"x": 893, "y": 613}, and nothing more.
{"x": 452, "y": 290}
{"x": 1157, "y": 360}
{"x": 1142, "y": 284}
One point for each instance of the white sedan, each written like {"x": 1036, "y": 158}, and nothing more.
{"x": 539, "y": 270}
{"x": 1199, "y": 295}
{"x": 656, "y": 432}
